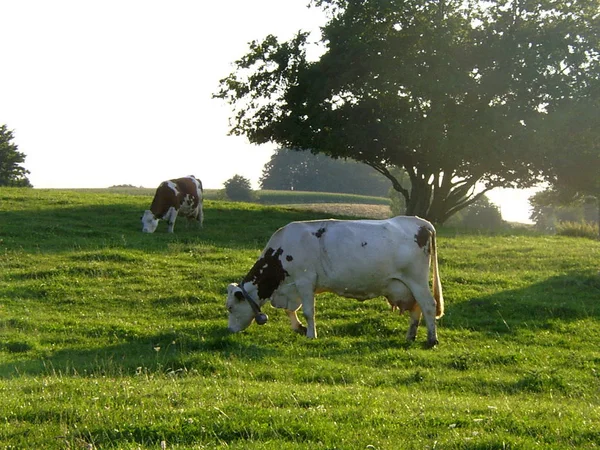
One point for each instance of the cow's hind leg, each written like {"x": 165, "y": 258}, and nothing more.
{"x": 400, "y": 297}
{"x": 426, "y": 303}
{"x": 295, "y": 323}
{"x": 307, "y": 295}
{"x": 200, "y": 216}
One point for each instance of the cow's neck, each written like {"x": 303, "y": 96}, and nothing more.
{"x": 266, "y": 275}
{"x": 252, "y": 290}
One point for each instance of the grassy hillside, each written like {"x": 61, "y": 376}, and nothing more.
{"x": 110, "y": 338}
{"x": 268, "y": 197}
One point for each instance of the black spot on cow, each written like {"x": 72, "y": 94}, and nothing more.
{"x": 422, "y": 236}
{"x": 289, "y": 258}
{"x": 267, "y": 273}
{"x": 320, "y": 232}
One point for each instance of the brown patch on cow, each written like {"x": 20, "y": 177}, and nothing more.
{"x": 422, "y": 236}
{"x": 320, "y": 232}
{"x": 267, "y": 273}
{"x": 289, "y": 258}
{"x": 165, "y": 197}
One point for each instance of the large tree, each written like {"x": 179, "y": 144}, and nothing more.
{"x": 447, "y": 90}
{"x": 11, "y": 171}
{"x": 570, "y": 143}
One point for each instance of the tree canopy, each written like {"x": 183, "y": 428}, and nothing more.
{"x": 303, "y": 171}
{"x": 450, "y": 91}
{"x": 11, "y": 171}
{"x": 239, "y": 189}
{"x": 571, "y": 145}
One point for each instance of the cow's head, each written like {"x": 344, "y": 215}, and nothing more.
{"x": 242, "y": 309}
{"x": 149, "y": 222}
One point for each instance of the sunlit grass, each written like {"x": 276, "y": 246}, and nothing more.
{"x": 116, "y": 339}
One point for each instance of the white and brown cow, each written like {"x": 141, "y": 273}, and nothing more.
{"x": 359, "y": 259}
{"x": 180, "y": 196}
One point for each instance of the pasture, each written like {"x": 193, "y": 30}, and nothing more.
{"x": 113, "y": 339}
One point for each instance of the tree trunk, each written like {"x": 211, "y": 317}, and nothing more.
{"x": 420, "y": 199}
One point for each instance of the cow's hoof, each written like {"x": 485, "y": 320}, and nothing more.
{"x": 301, "y": 330}
{"x": 432, "y": 343}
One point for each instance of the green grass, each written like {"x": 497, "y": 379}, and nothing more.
{"x": 116, "y": 339}
{"x": 267, "y": 197}
{"x": 298, "y": 197}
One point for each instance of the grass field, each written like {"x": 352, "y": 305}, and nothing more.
{"x": 113, "y": 339}
{"x": 267, "y": 197}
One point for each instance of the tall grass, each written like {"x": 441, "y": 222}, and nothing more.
{"x": 578, "y": 229}
{"x": 110, "y": 338}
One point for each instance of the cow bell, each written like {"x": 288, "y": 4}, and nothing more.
{"x": 261, "y": 318}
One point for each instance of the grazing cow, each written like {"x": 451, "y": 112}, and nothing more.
{"x": 181, "y": 196}
{"x": 359, "y": 259}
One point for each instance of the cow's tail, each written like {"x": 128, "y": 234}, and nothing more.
{"x": 437, "y": 282}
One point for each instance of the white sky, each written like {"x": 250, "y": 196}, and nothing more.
{"x": 109, "y": 92}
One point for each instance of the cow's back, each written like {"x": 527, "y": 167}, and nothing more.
{"x": 352, "y": 258}
{"x": 174, "y": 193}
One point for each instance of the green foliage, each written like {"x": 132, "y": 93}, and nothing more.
{"x": 397, "y": 203}
{"x": 482, "y": 214}
{"x": 304, "y": 171}
{"x": 111, "y": 338}
{"x": 11, "y": 171}
{"x": 239, "y": 188}
{"x": 578, "y": 229}
{"x": 550, "y": 207}
{"x": 452, "y": 92}
{"x": 571, "y": 145}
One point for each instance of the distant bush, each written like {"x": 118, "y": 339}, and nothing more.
{"x": 239, "y": 189}
{"x": 577, "y": 229}
{"x": 397, "y": 203}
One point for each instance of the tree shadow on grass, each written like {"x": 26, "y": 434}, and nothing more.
{"x": 180, "y": 350}
{"x": 562, "y": 298}
{"x": 61, "y": 229}
{"x": 549, "y": 304}
{"x": 207, "y": 349}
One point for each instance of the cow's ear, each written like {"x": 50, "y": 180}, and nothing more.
{"x": 238, "y": 295}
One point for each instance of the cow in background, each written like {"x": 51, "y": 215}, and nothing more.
{"x": 359, "y": 259}
{"x": 180, "y": 196}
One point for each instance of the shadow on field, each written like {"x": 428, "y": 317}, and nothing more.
{"x": 170, "y": 353}
{"x": 209, "y": 349}
{"x": 118, "y": 225}
{"x": 559, "y": 299}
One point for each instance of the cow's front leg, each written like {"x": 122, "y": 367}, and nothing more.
{"x": 415, "y": 319}
{"x": 172, "y": 217}
{"x": 295, "y": 323}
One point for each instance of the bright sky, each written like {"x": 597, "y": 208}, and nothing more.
{"x": 109, "y": 92}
